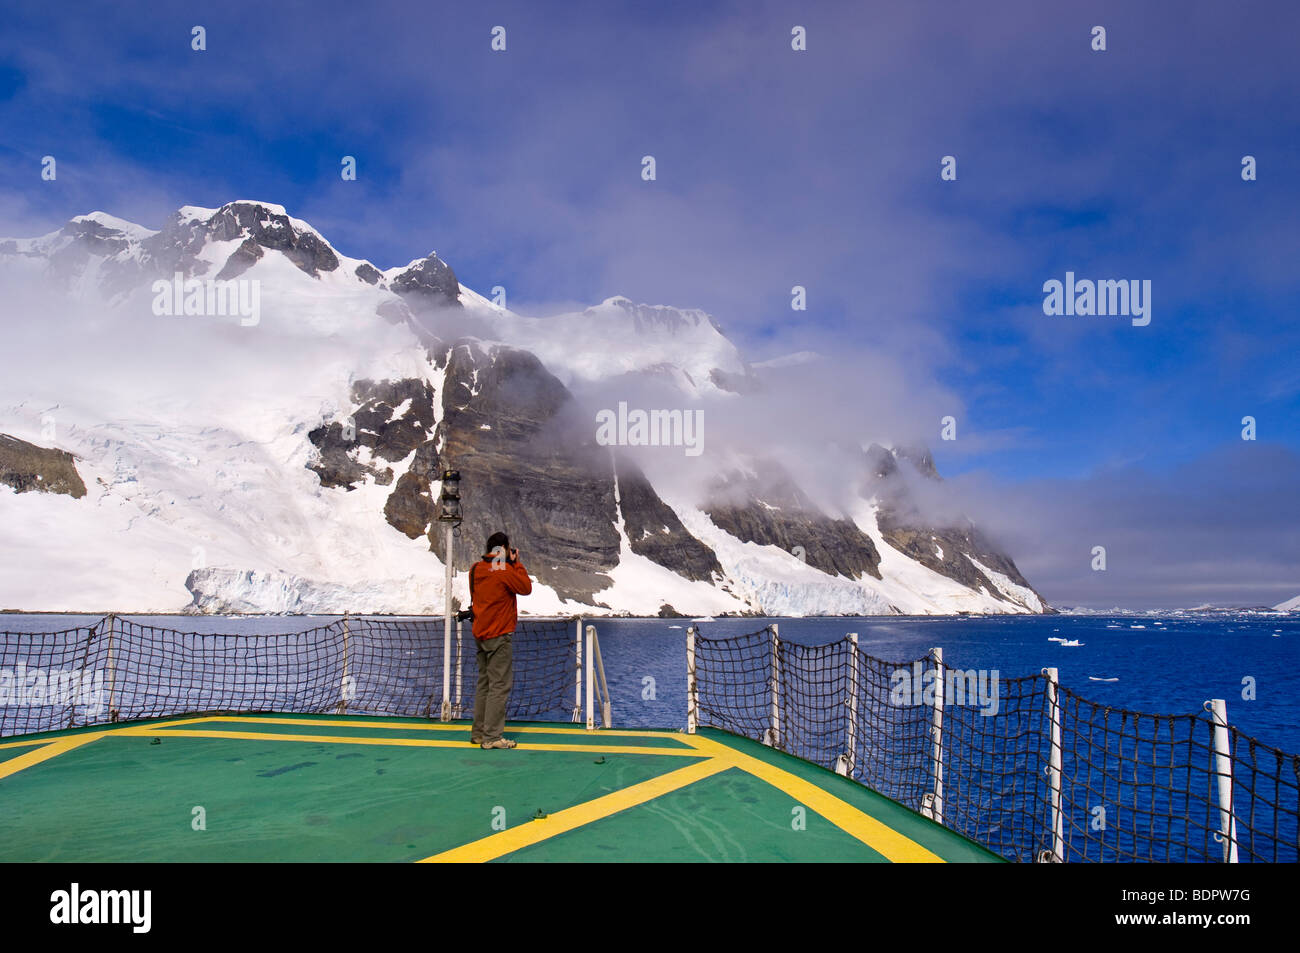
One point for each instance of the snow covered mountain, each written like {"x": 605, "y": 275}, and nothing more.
{"x": 227, "y": 414}
{"x": 1291, "y": 605}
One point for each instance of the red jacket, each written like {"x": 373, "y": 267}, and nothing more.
{"x": 495, "y": 591}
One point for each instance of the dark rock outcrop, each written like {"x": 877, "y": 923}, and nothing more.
{"x": 96, "y": 238}
{"x": 243, "y": 258}
{"x": 333, "y": 461}
{"x": 368, "y": 273}
{"x": 271, "y": 230}
{"x": 734, "y": 383}
{"x": 769, "y": 509}
{"x": 944, "y": 546}
{"x": 924, "y": 544}
{"x": 376, "y": 424}
{"x": 429, "y": 281}
{"x": 526, "y": 469}
{"x": 88, "y": 239}
{"x": 654, "y": 531}
{"x": 32, "y": 469}
{"x": 392, "y": 436}
{"x": 412, "y": 507}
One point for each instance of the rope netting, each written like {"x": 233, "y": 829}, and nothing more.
{"x": 1021, "y": 765}
{"x": 121, "y": 670}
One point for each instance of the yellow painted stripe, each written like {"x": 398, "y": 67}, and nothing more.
{"x": 51, "y": 750}
{"x": 194, "y": 720}
{"x": 27, "y": 742}
{"x": 145, "y": 731}
{"x": 533, "y": 832}
{"x": 439, "y": 726}
{"x": 877, "y": 835}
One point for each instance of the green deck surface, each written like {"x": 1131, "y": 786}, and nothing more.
{"x": 730, "y": 817}
{"x": 120, "y": 797}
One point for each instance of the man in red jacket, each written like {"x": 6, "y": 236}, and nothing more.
{"x": 495, "y": 582}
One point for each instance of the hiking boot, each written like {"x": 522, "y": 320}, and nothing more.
{"x": 500, "y": 743}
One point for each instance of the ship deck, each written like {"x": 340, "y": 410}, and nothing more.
{"x": 223, "y": 788}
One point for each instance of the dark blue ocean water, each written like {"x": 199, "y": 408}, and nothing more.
{"x": 1164, "y": 665}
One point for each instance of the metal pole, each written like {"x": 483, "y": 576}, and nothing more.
{"x": 606, "y": 713}
{"x": 691, "y": 688}
{"x": 936, "y": 732}
{"x": 1227, "y": 832}
{"x": 775, "y": 737}
{"x": 577, "y": 672}
{"x": 459, "y": 657}
{"x": 446, "y": 632}
{"x": 112, "y": 669}
{"x": 347, "y": 661}
{"x": 847, "y": 763}
{"x": 602, "y": 688}
{"x": 1057, "y": 854}
{"x": 591, "y": 679}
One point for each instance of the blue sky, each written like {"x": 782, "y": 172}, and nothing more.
{"x": 778, "y": 168}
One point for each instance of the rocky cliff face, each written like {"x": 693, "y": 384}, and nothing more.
{"x": 32, "y": 469}
{"x": 391, "y": 419}
{"x": 768, "y": 508}
{"x": 503, "y": 427}
{"x": 430, "y": 280}
{"x": 957, "y": 550}
{"x": 654, "y": 530}
{"x": 260, "y": 229}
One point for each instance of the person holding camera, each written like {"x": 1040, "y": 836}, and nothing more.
{"x": 495, "y": 583}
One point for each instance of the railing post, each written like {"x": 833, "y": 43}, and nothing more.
{"x": 602, "y": 686}
{"x": 459, "y": 658}
{"x": 591, "y": 679}
{"x": 577, "y": 672}
{"x": 1227, "y": 832}
{"x": 344, "y": 687}
{"x": 1057, "y": 853}
{"x": 846, "y": 764}
{"x": 774, "y": 733}
{"x": 111, "y": 619}
{"x": 936, "y": 734}
{"x": 691, "y": 687}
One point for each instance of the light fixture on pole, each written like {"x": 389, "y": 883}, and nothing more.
{"x": 449, "y": 498}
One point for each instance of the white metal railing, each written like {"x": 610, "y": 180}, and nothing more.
{"x": 1227, "y": 833}
{"x": 1057, "y": 854}
{"x": 597, "y": 689}
{"x": 692, "y": 690}
{"x": 769, "y": 730}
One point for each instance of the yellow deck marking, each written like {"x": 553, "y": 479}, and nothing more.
{"x": 532, "y": 832}
{"x": 107, "y": 730}
{"x": 144, "y": 732}
{"x": 167, "y": 724}
{"x": 877, "y": 835}
{"x": 52, "y": 750}
{"x": 441, "y": 726}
